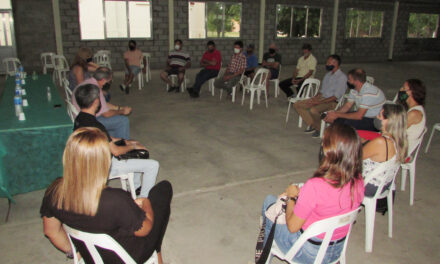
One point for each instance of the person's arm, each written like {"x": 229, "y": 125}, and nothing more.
{"x": 127, "y": 65}
{"x": 308, "y": 75}
{"x": 91, "y": 66}
{"x": 358, "y": 115}
{"x": 53, "y": 229}
{"x": 78, "y": 72}
{"x": 188, "y": 64}
{"x": 147, "y": 224}
{"x": 294, "y": 223}
{"x": 275, "y": 65}
{"x": 332, "y": 115}
{"x": 116, "y": 110}
{"x": 375, "y": 150}
{"x": 295, "y": 73}
{"x": 414, "y": 117}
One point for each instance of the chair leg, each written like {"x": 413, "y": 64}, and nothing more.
{"x": 402, "y": 184}
{"x": 429, "y": 141}
{"x": 276, "y": 89}
{"x": 370, "y": 215}
{"x": 288, "y": 111}
{"x": 390, "y": 212}
{"x": 300, "y": 121}
{"x": 221, "y": 94}
{"x": 321, "y": 132}
{"x": 242, "y": 97}
{"x": 233, "y": 93}
{"x": 412, "y": 182}
{"x": 252, "y": 99}
{"x": 258, "y": 96}
{"x": 265, "y": 97}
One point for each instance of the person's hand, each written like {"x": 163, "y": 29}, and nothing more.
{"x": 227, "y": 77}
{"x": 126, "y": 110}
{"x": 140, "y": 201}
{"x": 296, "y": 81}
{"x": 139, "y": 146}
{"x": 331, "y": 116}
{"x": 292, "y": 190}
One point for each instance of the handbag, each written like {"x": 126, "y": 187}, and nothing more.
{"x": 134, "y": 154}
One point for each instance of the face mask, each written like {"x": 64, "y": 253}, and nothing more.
{"x": 177, "y": 47}
{"x": 403, "y": 96}
{"x": 132, "y": 47}
{"x": 236, "y": 51}
{"x": 106, "y": 86}
{"x": 377, "y": 123}
{"x": 329, "y": 67}
{"x": 271, "y": 51}
{"x": 89, "y": 60}
{"x": 211, "y": 50}
{"x": 98, "y": 109}
{"x": 350, "y": 86}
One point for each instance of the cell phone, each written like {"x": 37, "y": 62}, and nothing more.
{"x": 57, "y": 106}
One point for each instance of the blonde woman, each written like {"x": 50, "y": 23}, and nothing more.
{"x": 82, "y": 200}
{"x": 81, "y": 67}
{"x": 391, "y": 146}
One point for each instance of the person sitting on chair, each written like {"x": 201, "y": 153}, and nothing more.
{"x": 82, "y": 200}
{"x": 132, "y": 59}
{"x": 211, "y": 63}
{"x": 233, "y": 72}
{"x": 87, "y": 97}
{"x": 332, "y": 90}
{"x": 177, "y": 62}
{"x": 335, "y": 188}
{"x": 305, "y": 68}
{"x": 271, "y": 61}
{"x": 82, "y": 67}
{"x": 368, "y": 98}
{"x": 251, "y": 61}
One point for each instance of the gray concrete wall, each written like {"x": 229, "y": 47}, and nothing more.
{"x": 34, "y": 31}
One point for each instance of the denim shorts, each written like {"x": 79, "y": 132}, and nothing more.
{"x": 134, "y": 69}
{"x": 285, "y": 241}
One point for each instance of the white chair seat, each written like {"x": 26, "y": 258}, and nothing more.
{"x": 126, "y": 181}
{"x": 309, "y": 88}
{"x": 276, "y": 82}
{"x": 257, "y": 85}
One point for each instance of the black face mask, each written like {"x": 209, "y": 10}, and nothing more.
{"x": 132, "y": 47}
{"x": 329, "y": 67}
{"x": 403, "y": 96}
{"x": 106, "y": 86}
{"x": 350, "y": 86}
{"x": 89, "y": 59}
{"x": 272, "y": 51}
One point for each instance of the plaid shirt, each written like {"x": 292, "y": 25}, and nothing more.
{"x": 238, "y": 61}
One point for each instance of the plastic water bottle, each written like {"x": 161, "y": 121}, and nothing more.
{"x": 49, "y": 95}
{"x": 18, "y": 105}
{"x": 20, "y": 70}
{"x": 17, "y": 87}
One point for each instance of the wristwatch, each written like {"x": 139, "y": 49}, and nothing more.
{"x": 294, "y": 198}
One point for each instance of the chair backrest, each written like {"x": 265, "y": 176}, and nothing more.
{"x": 67, "y": 90}
{"x": 260, "y": 78}
{"x": 309, "y": 88}
{"x": 326, "y": 226}
{"x": 11, "y": 65}
{"x": 101, "y": 240}
{"x": 47, "y": 59}
{"x": 71, "y": 110}
{"x": 419, "y": 144}
{"x": 383, "y": 177}
{"x": 60, "y": 63}
{"x": 102, "y": 57}
{"x": 370, "y": 80}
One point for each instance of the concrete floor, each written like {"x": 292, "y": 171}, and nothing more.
{"x": 223, "y": 159}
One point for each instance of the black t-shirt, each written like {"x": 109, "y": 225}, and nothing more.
{"x": 275, "y": 58}
{"x": 88, "y": 120}
{"x": 117, "y": 215}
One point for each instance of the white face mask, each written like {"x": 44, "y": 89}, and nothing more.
{"x": 177, "y": 47}
{"x": 236, "y": 51}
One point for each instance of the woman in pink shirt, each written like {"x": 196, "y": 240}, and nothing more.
{"x": 335, "y": 188}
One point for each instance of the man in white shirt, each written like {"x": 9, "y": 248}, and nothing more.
{"x": 305, "y": 68}
{"x": 332, "y": 90}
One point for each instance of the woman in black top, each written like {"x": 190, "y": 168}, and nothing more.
{"x": 82, "y": 200}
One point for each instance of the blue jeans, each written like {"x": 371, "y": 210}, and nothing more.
{"x": 117, "y": 126}
{"x": 285, "y": 240}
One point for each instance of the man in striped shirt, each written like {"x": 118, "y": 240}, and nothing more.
{"x": 369, "y": 101}
{"x": 177, "y": 62}
{"x": 233, "y": 72}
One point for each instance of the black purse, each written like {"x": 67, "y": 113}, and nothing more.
{"x": 132, "y": 154}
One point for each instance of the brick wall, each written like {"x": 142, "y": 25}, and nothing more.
{"x": 34, "y": 31}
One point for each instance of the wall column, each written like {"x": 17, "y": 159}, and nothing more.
{"x": 57, "y": 24}
{"x": 261, "y": 35}
{"x": 171, "y": 23}
{"x": 334, "y": 26}
{"x": 393, "y": 30}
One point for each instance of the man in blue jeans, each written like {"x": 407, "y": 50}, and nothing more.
{"x": 113, "y": 117}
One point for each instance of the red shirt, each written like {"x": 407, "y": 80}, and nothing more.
{"x": 215, "y": 55}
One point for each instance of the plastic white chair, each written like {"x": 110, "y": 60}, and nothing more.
{"x": 61, "y": 68}
{"x": 103, "y": 58}
{"x": 211, "y": 81}
{"x": 104, "y": 241}
{"x": 323, "y": 123}
{"x": 139, "y": 75}
{"x": 277, "y": 82}
{"x": 434, "y": 128}
{"x": 47, "y": 60}
{"x": 243, "y": 81}
{"x": 309, "y": 88}
{"x": 126, "y": 181}
{"x": 394, "y": 101}
{"x": 411, "y": 167}
{"x": 71, "y": 110}
{"x": 370, "y": 80}
{"x": 67, "y": 90}
{"x": 326, "y": 226}
{"x": 174, "y": 79}
{"x": 148, "y": 69}
{"x": 384, "y": 176}
{"x": 258, "y": 85}
{"x": 11, "y": 66}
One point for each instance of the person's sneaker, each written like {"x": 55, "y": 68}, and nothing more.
{"x": 316, "y": 134}
{"x": 194, "y": 95}
{"x": 190, "y": 90}
{"x": 177, "y": 89}
{"x": 309, "y": 130}
{"x": 122, "y": 87}
{"x": 127, "y": 89}
{"x": 172, "y": 88}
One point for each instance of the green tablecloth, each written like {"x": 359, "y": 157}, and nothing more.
{"x": 31, "y": 150}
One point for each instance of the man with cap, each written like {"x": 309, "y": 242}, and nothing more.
{"x": 272, "y": 61}
{"x": 251, "y": 61}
